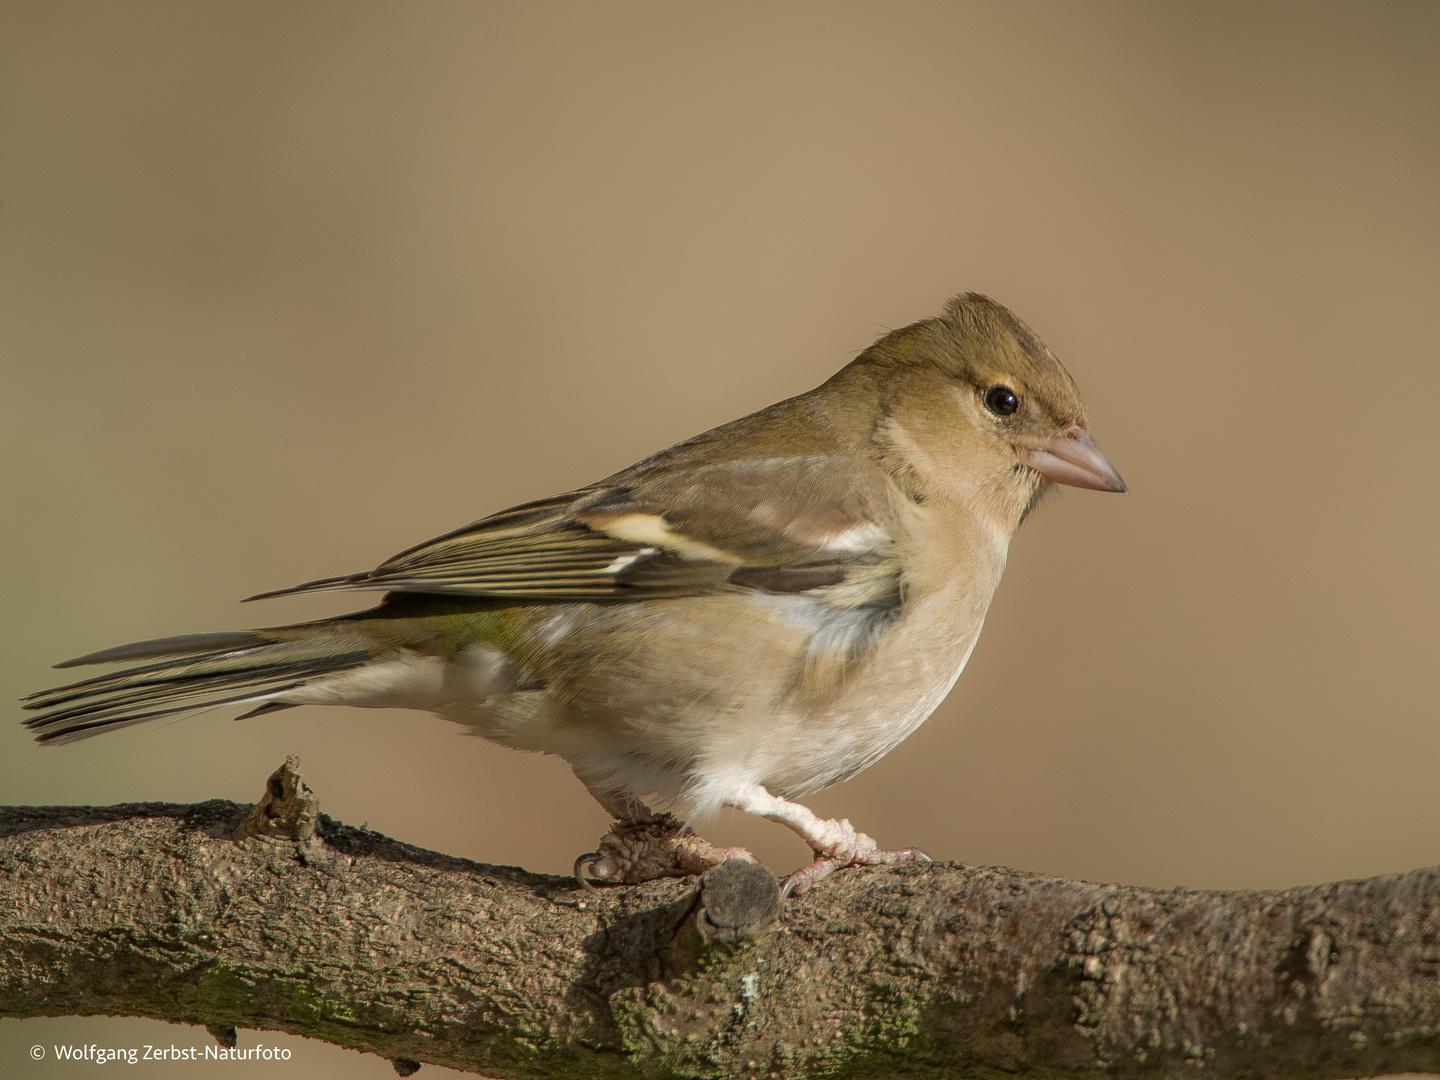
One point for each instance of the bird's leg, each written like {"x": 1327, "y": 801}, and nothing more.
{"x": 643, "y": 845}
{"x": 836, "y": 843}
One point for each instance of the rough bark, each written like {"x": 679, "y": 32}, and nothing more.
{"x": 936, "y": 971}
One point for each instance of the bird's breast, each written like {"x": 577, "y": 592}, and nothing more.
{"x": 953, "y": 564}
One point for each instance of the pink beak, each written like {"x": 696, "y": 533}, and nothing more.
{"x": 1071, "y": 458}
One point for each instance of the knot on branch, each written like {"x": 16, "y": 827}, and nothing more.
{"x": 286, "y": 811}
{"x": 735, "y": 903}
{"x": 738, "y": 899}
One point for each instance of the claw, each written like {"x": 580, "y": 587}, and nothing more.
{"x": 582, "y": 866}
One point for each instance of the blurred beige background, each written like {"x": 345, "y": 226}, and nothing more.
{"x": 288, "y": 287}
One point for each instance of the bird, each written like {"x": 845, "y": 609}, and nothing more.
{"x": 747, "y": 617}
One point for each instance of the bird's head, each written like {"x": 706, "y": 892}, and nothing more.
{"x": 974, "y": 402}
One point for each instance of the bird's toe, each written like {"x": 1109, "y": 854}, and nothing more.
{"x": 662, "y": 846}
{"x": 863, "y": 852}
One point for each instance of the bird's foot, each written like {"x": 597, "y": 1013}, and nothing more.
{"x": 846, "y": 846}
{"x": 660, "y": 846}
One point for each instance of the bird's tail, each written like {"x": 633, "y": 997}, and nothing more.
{"x": 193, "y": 673}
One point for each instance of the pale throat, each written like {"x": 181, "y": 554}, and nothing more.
{"x": 993, "y": 496}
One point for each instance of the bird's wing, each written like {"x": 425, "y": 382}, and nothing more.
{"x": 780, "y": 525}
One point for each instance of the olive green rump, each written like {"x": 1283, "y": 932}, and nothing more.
{"x": 442, "y": 625}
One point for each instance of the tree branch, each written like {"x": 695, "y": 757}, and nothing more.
{"x": 942, "y": 970}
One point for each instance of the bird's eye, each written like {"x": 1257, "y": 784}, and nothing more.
{"x": 1001, "y": 400}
